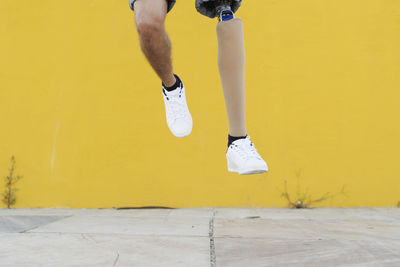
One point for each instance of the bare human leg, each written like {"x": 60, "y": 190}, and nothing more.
{"x": 154, "y": 41}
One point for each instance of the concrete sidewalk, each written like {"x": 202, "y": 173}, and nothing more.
{"x": 244, "y": 237}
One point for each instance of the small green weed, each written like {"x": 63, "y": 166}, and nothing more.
{"x": 9, "y": 197}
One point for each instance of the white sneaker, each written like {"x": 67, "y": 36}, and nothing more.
{"x": 178, "y": 116}
{"x": 243, "y": 158}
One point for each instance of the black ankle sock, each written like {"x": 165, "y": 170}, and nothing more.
{"x": 173, "y": 87}
{"x": 232, "y": 139}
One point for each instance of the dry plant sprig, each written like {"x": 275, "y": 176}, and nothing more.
{"x": 9, "y": 197}
{"x": 305, "y": 200}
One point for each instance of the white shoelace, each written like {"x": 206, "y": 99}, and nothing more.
{"x": 245, "y": 148}
{"x": 177, "y": 107}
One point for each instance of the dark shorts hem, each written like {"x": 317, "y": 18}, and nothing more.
{"x": 171, "y": 4}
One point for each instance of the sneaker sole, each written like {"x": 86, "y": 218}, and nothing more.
{"x": 248, "y": 172}
{"x": 181, "y": 135}
{"x": 232, "y": 168}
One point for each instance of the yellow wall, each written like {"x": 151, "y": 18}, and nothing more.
{"x": 83, "y": 114}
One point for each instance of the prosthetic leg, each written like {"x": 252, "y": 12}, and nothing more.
{"x": 231, "y": 62}
{"x": 242, "y": 157}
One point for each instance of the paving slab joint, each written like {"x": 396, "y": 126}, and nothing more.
{"x": 213, "y": 260}
{"x": 43, "y": 224}
{"x": 116, "y": 260}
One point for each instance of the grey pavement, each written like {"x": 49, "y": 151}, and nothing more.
{"x": 200, "y": 237}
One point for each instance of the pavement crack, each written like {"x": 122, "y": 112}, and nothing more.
{"x": 116, "y": 260}
{"x": 213, "y": 259}
{"x": 88, "y": 237}
{"x": 83, "y": 236}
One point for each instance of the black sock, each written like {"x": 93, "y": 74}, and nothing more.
{"x": 173, "y": 87}
{"x": 232, "y": 139}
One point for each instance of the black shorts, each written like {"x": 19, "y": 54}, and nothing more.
{"x": 171, "y": 4}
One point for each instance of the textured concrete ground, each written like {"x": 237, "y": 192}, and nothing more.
{"x": 200, "y": 237}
